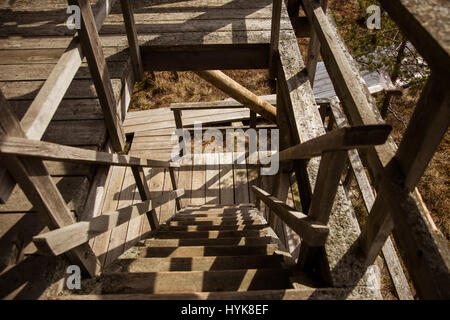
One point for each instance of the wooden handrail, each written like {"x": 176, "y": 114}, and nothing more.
{"x": 339, "y": 139}
{"x": 312, "y": 232}
{"x": 69, "y": 237}
{"x": 395, "y": 174}
{"x": 55, "y": 152}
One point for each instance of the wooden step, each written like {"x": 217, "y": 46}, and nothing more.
{"x": 284, "y": 294}
{"x": 210, "y": 234}
{"x": 204, "y": 251}
{"x": 214, "y": 222}
{"x": 225, "y": 211}
{"x": 214, "y": 218}
{"x": 237, "y": 215}
{"x": 196, "y": 281}
{"x": 251, "y": 241}
{"x": 165, "y": 227}
{"x": 199, "y": 263}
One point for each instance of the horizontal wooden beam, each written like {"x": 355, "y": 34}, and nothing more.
{"x": 312, "y": 232}
{"x": 64, "y": 239}
{"x": 205, "y": 57}
{"x": 56, "y": 152}
{"x": 239, "y": 93}
{"x": 339, "y": 139}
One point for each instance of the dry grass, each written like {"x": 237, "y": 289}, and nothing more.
{"x": 163, "y": 88}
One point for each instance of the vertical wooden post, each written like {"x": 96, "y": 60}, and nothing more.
{"x": 179, "y": 126}
{"x": 252, "y": 119}
{"x": 328, "y": 178}
{"x": 128, "y": 16}
{"x": 173, "y": 180}
{"x": 35, "y": 181}
{"x": 90, "y": 42}
{"x": 144, "y": 192}
{"x": 314, "y": 49}
{"x": 427, "y": 127}
{"x": 274, "y": 37}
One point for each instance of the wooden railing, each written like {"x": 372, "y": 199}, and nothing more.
{"x": 86, "y": 44}
{"x": 398, "y": 206}
{"x": 23, "y": 159}
{"x": 312, "y": 228}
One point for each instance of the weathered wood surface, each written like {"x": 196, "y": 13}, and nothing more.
{"x": 64, "y": 239}
{"x": 40, "y": 189}
{"x": 398, "y": 201}
{"x": 306, "y": 124}
{"x": 90, "y": 43}
{"x": 135, "y": 52}
{"x": 390, "y": 255}
{"x": 339, "y": 139}
{"x": 310, "y": 231}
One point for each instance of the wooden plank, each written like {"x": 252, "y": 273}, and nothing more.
{"x": 314, "y": 50}
{"x": 55, "y": 152}
{"x": 40, "y": 189}
{"x": 144, "y": 192}
{"x": 226, "y": 178}
{"x": 128, "y": 17}
{"x": 72, "y": 188}
{"x": 313, "y": 232}
{"x": 212, "y": 183}
{"x": 198, "y": 179}
{"x": 274, "y": 36}
{"x": 426, "y": 129}
{"x": 185, "y": 180}
{"x": 64, "y": 239}
{"x": 50, "y": 95}
{"x": 97, "y": 65}
{"x": 101, "y": 242}
{"x": 241, "y": 190}
{"x": 221, "y": 104}
{"x": 173, "y": 182}
{"x": 168, "y": 209}
{"x": 118, "y": 235}
{"x": 339, "y": 139}
{"x": 155, "y": 178}
{"x": 134, "y": 226}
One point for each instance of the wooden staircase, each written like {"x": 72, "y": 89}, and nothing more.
{"x": 208, "y": 252}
